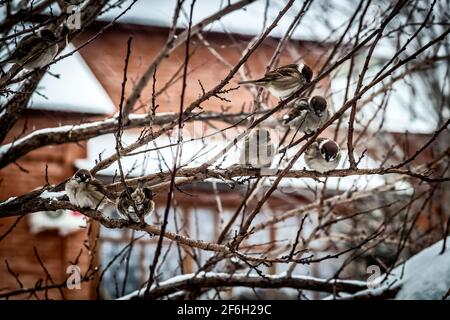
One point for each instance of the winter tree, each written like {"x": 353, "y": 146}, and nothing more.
{"x": 271, "y": 149}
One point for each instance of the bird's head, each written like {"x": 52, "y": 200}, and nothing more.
{"x": 148, "y": 193}
{"x": 318, "y": 105}
{"x": 48, "y": 35}
{"x": 128, "y": 191}
{"x": 329, "y": 150}
{"x": 83, "y": 175}
{"x": 306, "y": 72}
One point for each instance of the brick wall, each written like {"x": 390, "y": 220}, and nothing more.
{"x": 203, "y": 66}
{"x": 17, "y": 248}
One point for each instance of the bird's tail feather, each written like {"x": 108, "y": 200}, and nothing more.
{"x": 259, "y": 81}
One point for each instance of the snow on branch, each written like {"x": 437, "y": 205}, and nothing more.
{"x": 215, "y": 280}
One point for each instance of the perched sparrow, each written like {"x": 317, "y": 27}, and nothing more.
{"x": 257, "y": 150}
{"x": 307, "y": 116}
{"x": 284, "y": 81}
{"x": 322, "y": 155}
{"x": 35, "y": 50}
{"x": 141, "y": 200}
{"x": 85, "y": 191}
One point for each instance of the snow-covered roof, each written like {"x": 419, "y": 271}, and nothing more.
{"x": 245, "y": 21}
{"x": 409, "y": 107}
{"x": 70, "y": 86}
{"x": 201, "y": 151}
{"x": 75, "y": 89}
{"x": 323, "y": 21}
{"x": 425, "y": 276}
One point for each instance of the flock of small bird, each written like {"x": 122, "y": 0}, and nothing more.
{"x": 85, "y": 191}
{"x": 305, "y": 116}
{"x": 40, "y": 48}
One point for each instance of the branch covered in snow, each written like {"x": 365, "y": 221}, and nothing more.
{"x": 82, "y": 132}
{"x": 217, "y": 280}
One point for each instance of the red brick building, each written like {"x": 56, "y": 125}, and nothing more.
{"x": 105, "y": 58}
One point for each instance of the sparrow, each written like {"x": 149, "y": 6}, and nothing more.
{"x": 35, "y": 51}
{"x": 130, "y": 200}
{"x": 257, "y": 151}
{"x": 323, "y": 155}
{"x": 285, "y": 80}
{"x": 307, "y": 116}
{"x": 85, "y": 191}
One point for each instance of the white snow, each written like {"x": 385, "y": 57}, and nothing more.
{"x": 404, "y": 112}
{"x": 6, "y": 147}
{"x": 175, "y": 279}
{"x": 159, "y": 13}
{"x": 70, "y": 86}
{"x": 63, "y": 221}
{"x": 316, "y": 24}
{"x": 8, "y": 200}
{"x": 404, "y": 187}
{"x": 245, "y": 21}
{"x": 51, "y": 195}
{"x": 226, "y": 276}
{"x": 76, "y": 90}
{"x": 425, "y": 276}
